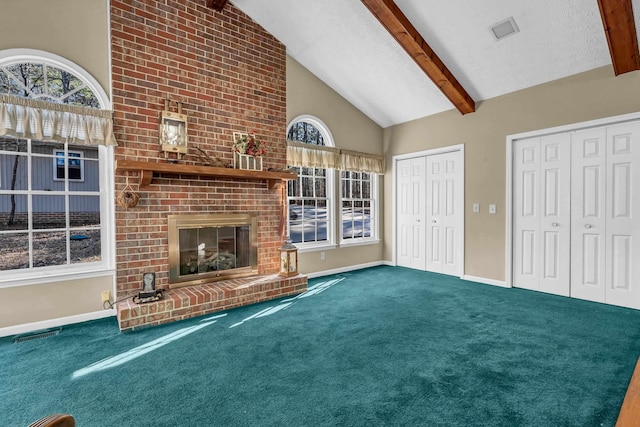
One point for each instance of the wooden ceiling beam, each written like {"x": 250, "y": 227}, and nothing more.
{"x": 620, "y": 28}
{"x": 392, "y": 18}
{"x": 217, "y": 4}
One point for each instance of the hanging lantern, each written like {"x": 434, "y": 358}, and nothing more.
{"x": 173, "y": 131}
{"x": 288, "y": 259}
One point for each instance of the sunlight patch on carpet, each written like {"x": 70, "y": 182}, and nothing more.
{"x": 266, "y": 312}
{"x": 122, "y": 358}
{"x": 313, "y": 290}
{"x": 318, "y": 288}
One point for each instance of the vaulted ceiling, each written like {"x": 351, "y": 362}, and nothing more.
{"x": 399, "y": 61}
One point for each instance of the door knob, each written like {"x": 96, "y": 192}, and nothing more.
{"x": 554, "y": 224}
{"x": 587, "y": 226}
{"x": 433, "y": 221}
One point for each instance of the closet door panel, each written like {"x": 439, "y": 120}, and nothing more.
{"x": 622, "y": 231}
{"x": 410, "y": 210}
{"x": 588, "y": 220}
{"x": 526, "y": 215}
{"x": 542, "y": 213}
{"x": 555, "y": 215}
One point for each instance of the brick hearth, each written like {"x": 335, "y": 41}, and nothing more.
{"x": 190, "y": 301}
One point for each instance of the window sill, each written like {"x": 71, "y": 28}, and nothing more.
{"x": 41, "y": 277}
{"x": 350, "y": 243}
{"x": 315, "y": 248}
{"x": 343, "y": 244}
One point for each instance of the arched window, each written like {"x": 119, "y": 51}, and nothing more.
{"x": 54, "y": 182}
{"x": 311, "y": 195}
{"x": 312, "y": 201}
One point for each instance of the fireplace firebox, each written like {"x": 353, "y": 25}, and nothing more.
{"x": 206, "y": 248}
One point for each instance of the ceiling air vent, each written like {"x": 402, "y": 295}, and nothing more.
{"x": 504, "y": 28}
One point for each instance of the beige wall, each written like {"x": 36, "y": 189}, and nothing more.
{"x": 58, "y": 300}
{"x": 591, "y": 95}
{"x": 352, "y": 130}
{"x": 78, "y": 31}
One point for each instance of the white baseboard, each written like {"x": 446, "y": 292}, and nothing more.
{"x": 343, "y": 269}
{"x": 486, "y": 281}
{"x": 53, "y": 323}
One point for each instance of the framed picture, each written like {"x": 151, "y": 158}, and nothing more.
{"x": 148, "y": 282}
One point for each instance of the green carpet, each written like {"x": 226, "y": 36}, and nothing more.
{"x": 380, "y": 346}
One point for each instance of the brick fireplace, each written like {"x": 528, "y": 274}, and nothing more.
{"x": 229, "y": 74}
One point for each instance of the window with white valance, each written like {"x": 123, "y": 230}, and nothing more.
{"x": 56, "y": 169}
{"x": 310, "y": 221}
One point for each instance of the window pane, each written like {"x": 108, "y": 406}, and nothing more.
{"x": 295, "y": 231}
{"x": 49, "y": 248}
{"x": 13, "y": 172}
{"x": 321, "y": 187}
{"x": 305, "y": 132}
{"x": 307, "y": 187}
{"x": 48, "y": 212}
{"x": 322, "y": 230}
{"x": 42, "y": 170}
{"x": 85, "y": 246}
{"x": 13, "y": 211}
{"x": 14, "y": 251}
{"x": 366, "y": 189}
{"x": 84, "y": 211}
{"x": 347, "y": 219}
{"x": 321, "y": 209}
{"x": 356, "y": 189}
{"x": 367, "y": 222}
{"x": 29, "y": 76}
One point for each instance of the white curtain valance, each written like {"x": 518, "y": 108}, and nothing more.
{"x": 361, "y": 162}
{"x": 45, "y": 121}
{"x": 312, "y": 156}
{"x": 317, "y": 156}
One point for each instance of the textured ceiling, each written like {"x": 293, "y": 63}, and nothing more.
{"x": 345, "y": 46}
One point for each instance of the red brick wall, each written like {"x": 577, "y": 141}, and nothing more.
{"x": 230, "y": 75}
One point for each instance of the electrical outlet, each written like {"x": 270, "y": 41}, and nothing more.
{"x": 322, "y": 256}
{"x": 106, "y": 296}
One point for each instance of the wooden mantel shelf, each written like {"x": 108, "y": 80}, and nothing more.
{"x": 146, "y": 170}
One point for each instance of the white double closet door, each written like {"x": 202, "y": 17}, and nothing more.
{"x": 576, "y": 230}
{"x": 429, "y": 217}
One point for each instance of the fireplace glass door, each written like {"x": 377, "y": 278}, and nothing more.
{"x": 204, "y": 250}
{"x": 211, "y": 247}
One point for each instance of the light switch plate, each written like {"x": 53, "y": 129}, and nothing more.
{"x": 476, "y": 207}
{"x": 492, "y": 209}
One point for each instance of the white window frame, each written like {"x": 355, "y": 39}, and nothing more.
{"x": 39, "y": 275}
{"x": 330, "y": 190}
{"x": 65, "y": 157}
{"x": 373, "y": 206}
